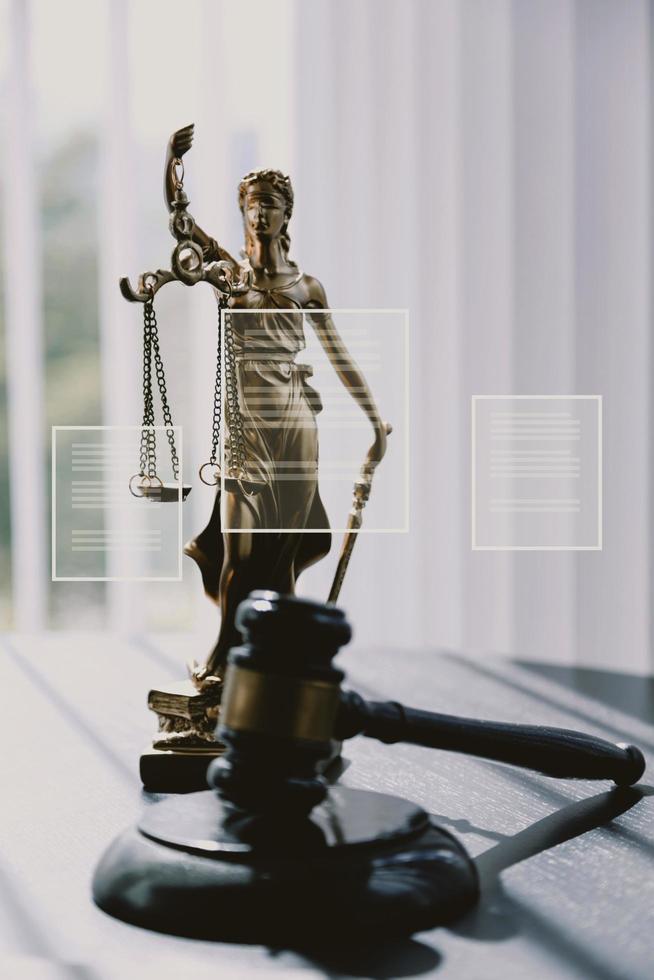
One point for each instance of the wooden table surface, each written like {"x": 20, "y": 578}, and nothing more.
{"x": 567, "y": 868}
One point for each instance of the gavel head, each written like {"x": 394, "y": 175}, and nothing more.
{"x": 279, "y": 705}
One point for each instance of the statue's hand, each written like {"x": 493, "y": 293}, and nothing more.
{"x": 378, "y": 448}
{"x": 181, "y": 141}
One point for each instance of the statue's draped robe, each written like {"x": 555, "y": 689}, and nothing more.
{"x": 278, "y": 407}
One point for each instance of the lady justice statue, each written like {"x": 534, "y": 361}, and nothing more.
{"x": 271, "y": 439}
{"x": 277, "y": 402}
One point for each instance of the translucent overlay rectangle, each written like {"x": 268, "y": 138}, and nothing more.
{"x": 100, "y": 530}
{"x": 536, "y": 472}
{"x": 296, "y": 394}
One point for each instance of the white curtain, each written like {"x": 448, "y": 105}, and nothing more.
{"x": 488, "y": 165}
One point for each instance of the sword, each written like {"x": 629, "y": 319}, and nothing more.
{"x": 360, "y": 495}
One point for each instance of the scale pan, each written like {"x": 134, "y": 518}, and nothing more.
{"x": 167, "y": 493}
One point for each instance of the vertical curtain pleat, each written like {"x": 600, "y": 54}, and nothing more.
{"x": 613, "y": 316}
{"x": 487, "y": 282}
{"x": 440, "y": 505}
{"x": 120, "y": 322}
{"x": 23, "y": 292}
{"x": 543, "y": 339}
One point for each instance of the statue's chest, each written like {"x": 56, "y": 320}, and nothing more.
{"x": 292, "y": 296}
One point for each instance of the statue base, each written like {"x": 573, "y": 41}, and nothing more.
{"x": 361, "y": 865}
{"x": 185, "y": 745}
{"x": 177, "y": 770}
{"x": 178, "y": 759}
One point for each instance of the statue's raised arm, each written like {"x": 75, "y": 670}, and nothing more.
{"x": 180, "y": 143}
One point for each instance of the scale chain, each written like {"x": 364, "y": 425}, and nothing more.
{"x": 147, "y": 459}
{"x": 151, "y": 349}
{"x": 234, "y": 417}
{"x": 217, "y": 393}
{"x": 161, "y": 380}
{"x": 148, "y": 439}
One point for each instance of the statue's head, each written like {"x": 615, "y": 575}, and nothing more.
{"x": 265, "y": 198}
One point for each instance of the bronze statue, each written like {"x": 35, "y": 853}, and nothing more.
{"x": 271, "y": 438}
{"x": 232, "y": 564}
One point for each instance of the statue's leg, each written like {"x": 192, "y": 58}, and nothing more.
{"x": 241, "y": 572}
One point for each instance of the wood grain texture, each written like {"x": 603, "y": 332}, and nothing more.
{"x": 567, "y": 867}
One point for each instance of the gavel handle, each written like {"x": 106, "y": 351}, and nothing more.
{"x": 552, "y": 751}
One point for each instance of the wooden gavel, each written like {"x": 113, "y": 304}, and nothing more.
{"x": 273, "y": 853}
{"x": 283, "y": 708}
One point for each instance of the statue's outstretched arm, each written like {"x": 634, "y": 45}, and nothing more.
{"x": 179, "y": 144}
{"x": 344, "y": 365}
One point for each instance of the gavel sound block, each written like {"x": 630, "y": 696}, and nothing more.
{"x": 270, "y": 854}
